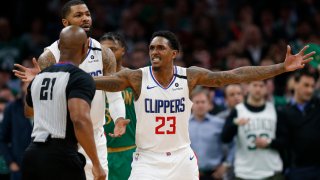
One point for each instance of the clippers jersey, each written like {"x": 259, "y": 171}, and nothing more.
{"x": 163, "y": 113}
{"x": 250, "y": 161}
{"x": 94, "y": 66}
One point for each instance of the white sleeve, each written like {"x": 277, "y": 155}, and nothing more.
{"x": 117, "y": 108}
{"x": 54, "y": 49}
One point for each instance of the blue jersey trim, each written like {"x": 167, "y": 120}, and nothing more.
{"x": 155, "y": 80}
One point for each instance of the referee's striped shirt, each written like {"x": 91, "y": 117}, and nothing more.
{"x": 48, "y": 94}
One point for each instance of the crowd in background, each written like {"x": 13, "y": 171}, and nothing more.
{"x": 215, "y": 34}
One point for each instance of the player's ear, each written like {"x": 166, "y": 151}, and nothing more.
{"x": 175, "y": 54}
{"x": 65, "y": 22}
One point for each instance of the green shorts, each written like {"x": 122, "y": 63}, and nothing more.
{"x": 119, "y": 164}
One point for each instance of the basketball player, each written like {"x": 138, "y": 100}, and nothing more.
{"x": 249, "y": 121}
{"x": 163, "y": 106}
{"x": 120, "y": 149}
{"x": 61, "y": 96}
{"x": 99, "y": 61}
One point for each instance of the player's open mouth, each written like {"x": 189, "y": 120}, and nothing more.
{"x": 155, "y": 59}
{"x": 86, "y": 27}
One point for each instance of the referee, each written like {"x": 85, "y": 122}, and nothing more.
{"x": 61, "y": 96}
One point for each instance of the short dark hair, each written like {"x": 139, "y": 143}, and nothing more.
{"x": 303, "y": 72}
{"x": 200, "y": 90}
{"x": 67, "y": 6}
{"x": 114, "y": 36}
{"x": 227, "y": 86}
{"x": 170, "y": 36}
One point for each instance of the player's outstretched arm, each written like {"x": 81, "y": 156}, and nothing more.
{"x": 204, "y": 77}
{"x": 120, "y": 81}
{"x": 116, "y": 102}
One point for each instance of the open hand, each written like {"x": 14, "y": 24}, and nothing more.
{"x": 297, "y": 61}
{"x": 27, "y": 74}
{"x": 262, "y": 142}
{"x": 120, "y": 127}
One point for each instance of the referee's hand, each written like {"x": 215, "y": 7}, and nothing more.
{"x": 98, "y": 172}
{"x": 120, "y": 127}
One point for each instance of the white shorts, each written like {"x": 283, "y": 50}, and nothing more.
{"x": 177, "y": 165}
{"x": 101, "y": 143}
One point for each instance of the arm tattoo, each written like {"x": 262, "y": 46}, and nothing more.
{"x": 135, "y": 81}
{"x": 46, "y": 59}
{"x": 121, "y": 80}
{"x": 204, "y": 77}
{"x": 109, "y": 83}
{"x": 109, "y": 61}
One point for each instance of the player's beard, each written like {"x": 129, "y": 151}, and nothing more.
{"x": 155, "y": 68}
{"x": 89, "y": 33}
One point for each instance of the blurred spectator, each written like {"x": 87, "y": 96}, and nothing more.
{"x": 276, "y": 99}
{"x": 267, "y": 25}
{"x": 216, "y": 100}
{"x": 205, "y": 131}
{"x": 266, "y": 62}
{"x": 300, "y": 129}
{"x": 183, "y": 13}
{"x": 2, "y": 106}
{"x": 202, "y": 58}
{"x": 285, "y": 24}
{"x": 302, "y": 36}
{"x": 12, "y": 49}
{"x": 239, "y": 61}
{"x": 233, "y": 95}
{"x": 137, "y": 58}
{"x": 255, "y": 49}
{"x": 35, "y": 39}
{"x": 15, "y": 134}
{"x": 5, "y": 76}
{"x": 244, "y": 18}
{"x": 290, "y": 88}
{"x": 6, "y": 94}
{"x": 4, "y": 170}
{"x": 254, "y": 124}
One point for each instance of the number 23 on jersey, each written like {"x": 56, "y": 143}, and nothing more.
{"x": 166, "y": 125}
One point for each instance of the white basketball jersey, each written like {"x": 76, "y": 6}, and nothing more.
{"x": 163, "y": 113}
{"x": 250, "y": 161}
{"x": 94, "y": 66}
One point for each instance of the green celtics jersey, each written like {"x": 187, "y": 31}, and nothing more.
{"x": 128, "y": 139}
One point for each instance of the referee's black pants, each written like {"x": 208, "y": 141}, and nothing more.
{"x": 53, "y": 160}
